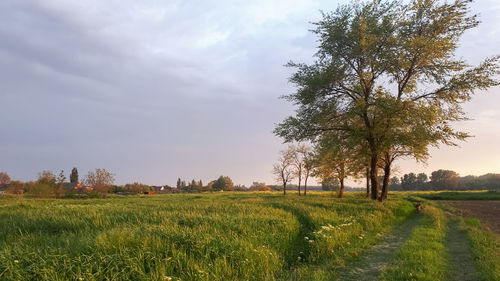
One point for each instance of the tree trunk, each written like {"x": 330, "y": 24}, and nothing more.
{"x": 367, "y": 181}
{"x": 305, "y": 185}
{"x": 284, "y": 188}
{"x": 385, "y": 186}
{"x": 374, "y": 176}
{"x": 300, "y": 181}
{"x": 341, "y": 190}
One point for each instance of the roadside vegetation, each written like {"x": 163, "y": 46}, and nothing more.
{"x": 485, "y": 247}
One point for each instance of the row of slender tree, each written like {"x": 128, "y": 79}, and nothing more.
{"x": 294, "y": 162}
{"x": 386, "y": 84}
{"x": 221, "y": 183}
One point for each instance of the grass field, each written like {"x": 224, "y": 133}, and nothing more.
{"x": 224, "y": 236}
{"x": 461, "y": 195}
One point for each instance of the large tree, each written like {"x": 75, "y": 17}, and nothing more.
{"x": 380, "y": 66}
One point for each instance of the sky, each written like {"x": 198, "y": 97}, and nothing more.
{"x": 158, "y": 90}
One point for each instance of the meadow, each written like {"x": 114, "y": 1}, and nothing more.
{"x": 219, "y": 236}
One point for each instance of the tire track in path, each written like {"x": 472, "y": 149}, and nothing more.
{"x": 460, "y": 259}
{"x": 373, "y": 262}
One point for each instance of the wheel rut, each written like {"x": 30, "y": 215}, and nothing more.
{"x": 461, "y": 260}
{"x": 374, "y": 260}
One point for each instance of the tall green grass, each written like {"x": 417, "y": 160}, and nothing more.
{"x": 423, "y": 257}
{"x": 485, "y": 247}
{"x": 230, "y": 236}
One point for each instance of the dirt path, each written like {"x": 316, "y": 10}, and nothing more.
{"x": 373, "y": 262}
{"x": 460, "y": 258}
{"x": 486, "y": 211}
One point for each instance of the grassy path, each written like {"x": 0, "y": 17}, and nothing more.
{"x": 300, "y": 247}
{"x": 373, "y": 262}
{"x": 460, "y": 258}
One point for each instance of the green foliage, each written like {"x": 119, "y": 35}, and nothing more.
{"x": 16, "y": 187}
{"x": 328, "y": 184}
{"x": 47, "y": 178}
{"x": 137, "y": 188}
{"x": 445, "y": 179}
{"x": 73, "y": 178}
{"x": 386, "y": 80}
{"x": 41, "y": 190}
{"x": 94, "y": 194}
{"x": 223, "y": 183}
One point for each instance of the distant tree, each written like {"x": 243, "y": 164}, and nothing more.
{"x": 179, "y": 183}
{"x": 4, "y": 178}
{"x": 421, "y": 180}
{"x": 489, "y": 181}
{"x": 73, "y": 177}
{"x": 137, "y": 188}
{"x": 16, "y": 187}
{"x": 259, "y": 186}
{"x": 329, "y": 184}
{"x": 240, "y": 187}
{"x": 408, "y": 181}
{"x": 210, "y": 185}
{"x": 41, "y": 190}
{"x": 195, "y": 186}
{"x": 48, "y": 178}
{"x": 302, "y": 161}
{"x": 394, "y": 182}
{"x": 444, "y": 179}
{"x": 308, "y": 168}
{"x": 283, "y": 170}
{"x": 101, "y": 180}
{"x": 59, "y": 186}
{"x": 223, "y": 183}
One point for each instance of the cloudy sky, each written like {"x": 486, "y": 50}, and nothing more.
{"x": 155, "y": 90}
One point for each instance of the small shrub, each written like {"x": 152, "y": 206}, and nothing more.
{"x": 41, "y": 190}
{"x": 95, "y": 194}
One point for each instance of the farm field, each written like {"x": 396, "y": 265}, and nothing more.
{"x": 235, "y": 236}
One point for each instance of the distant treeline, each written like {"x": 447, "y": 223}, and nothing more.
{"x": 100, "y": 182}
{"x": 445, "y": 180}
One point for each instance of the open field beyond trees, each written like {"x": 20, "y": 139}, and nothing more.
{"x": 234, "y": 236}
